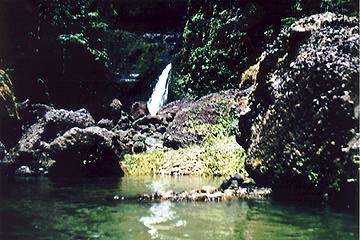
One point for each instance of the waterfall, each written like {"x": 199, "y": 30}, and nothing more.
{"x": 159, "y": 96}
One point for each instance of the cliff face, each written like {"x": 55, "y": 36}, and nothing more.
{"x": 303, "y": 134}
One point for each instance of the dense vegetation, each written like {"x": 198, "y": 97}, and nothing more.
{"x": 221, "y": 39}
{"x": 85, "y": 48}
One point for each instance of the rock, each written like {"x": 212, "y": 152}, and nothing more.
{"x": 153, "y": 143}
{"x": 138, "y": 110}
{"x": 167, "y": 195}
{"x": 138, "y": 137}
{"x": 2, "y": 151}
{"x": 147, "y": 120}
{"x": 56, "y": 122}
{"x": 23, "y": 171}
{"x": 124, "y": 122}
{"x": 30, "y": 148}
{"x": 189, "y": 125}
{"x": 206, "y": 194}
{"x": 233, "y": 182}
{"x": 161, "y": 129}
{"x": 208, "y": 189}
{"x": 229, "y": 192}
{"x": 138, "y": 147}
{"x": 31, "y": 113}
{"x": 303, "y": 109}
{"x": 115, "y": 110}
{"x": 92, "y": 151}
{"x": 147, "y": 130}
{"x": 106, "y": 123}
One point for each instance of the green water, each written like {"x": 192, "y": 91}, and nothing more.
{"x": 41, "y": 209}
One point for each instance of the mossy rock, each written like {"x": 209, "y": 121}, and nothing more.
{"x": 305, "y": 134}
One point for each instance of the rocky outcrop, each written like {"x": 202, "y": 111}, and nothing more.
{"x": 205, "y": 194}
{"x": 91, "y": 151}
{"x": 54, "y": 123}
{"x": 177, "y": 124}
{"x": 302, "y": 117}
{"x": 50, "y": 124}
{"x": 191, "y": 123}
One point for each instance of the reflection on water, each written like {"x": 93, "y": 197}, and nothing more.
{"x": 40, "y": 209}
{"x": 159, "y": 213}
{"x": 160, "y": 185}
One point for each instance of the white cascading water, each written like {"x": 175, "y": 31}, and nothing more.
{"x": 159, "y": 96}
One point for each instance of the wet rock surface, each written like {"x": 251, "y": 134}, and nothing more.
{"x": 24, "y": 171}
{"x": 302, "y": 111}
{"x": 207, "y": 193}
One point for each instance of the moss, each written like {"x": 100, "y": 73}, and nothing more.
{"x": 7, "y": 97}
{"x": 222, "y": 157}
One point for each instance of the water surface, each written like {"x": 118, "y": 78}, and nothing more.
{"x": 41, "y": 209}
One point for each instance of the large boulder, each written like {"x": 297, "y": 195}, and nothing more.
{"x": 92, "y": 151}
{"x": 29, "y": 149}
{"x": 192, "y": 123}
{"x": 303, "y": 135}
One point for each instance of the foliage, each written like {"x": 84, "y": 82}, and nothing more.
{"x": 8, "y": 104}
{"x": 221, "y": 39}
{"x": 340, "y": 6}
{"x": 214, "y": 51}
{"x": 302, "y": 8}
{"x": 78, "y": 24}
{"x": 145, "y": 56}
{"x": 286, "y": 22}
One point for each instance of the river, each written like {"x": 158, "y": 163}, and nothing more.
{"x": 37, "y": 208}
